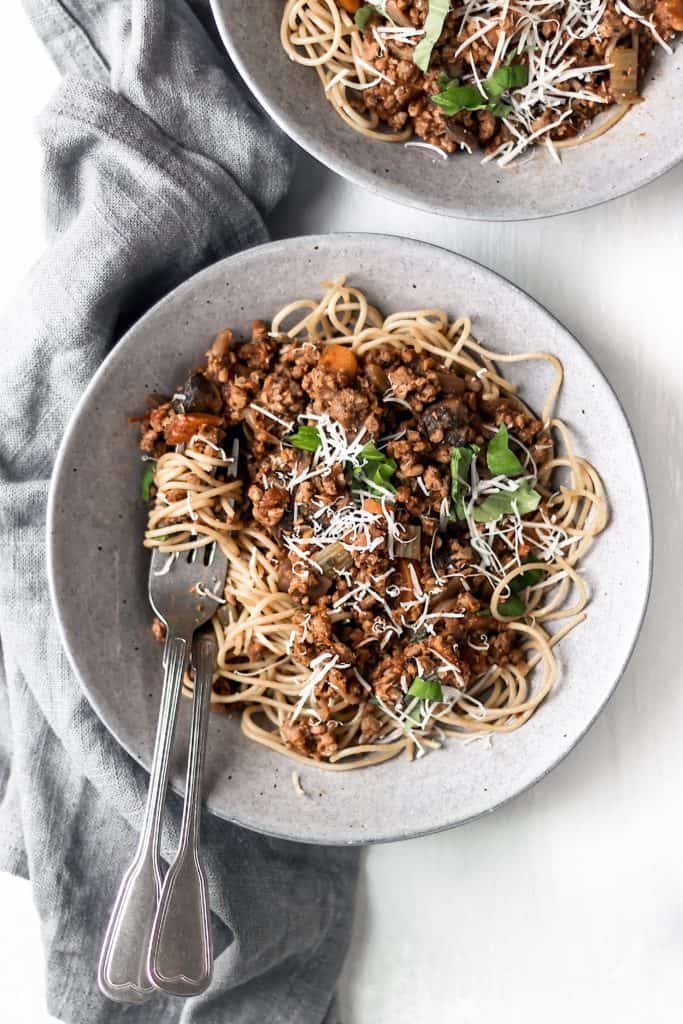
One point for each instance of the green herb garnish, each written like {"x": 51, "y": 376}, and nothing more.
{"x": 461, "y": 460}
{"x": 426, "y": 689}
{"x": 147, "y": 479}
{"x": 522, "y": 500}
{"x": 526, "y": 579}
{"x": 436, "y": 16}
{"x": 499, "y": 457}
{"x": 500, "y": 109}
{"x": 509, "y": 76}
{"x": 306, "y": 438}
{"x": 413, "y": 714}
{"x": 453, "y": 97}
{"x": 375, "y": 470}
{"x": 501, "y": 461}
{"x": 363, "y": 15}
{"x": 514, "y": 607}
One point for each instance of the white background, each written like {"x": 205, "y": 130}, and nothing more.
{"x": 567, "y": 904}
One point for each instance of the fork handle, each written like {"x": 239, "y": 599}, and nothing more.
{"x": 181, "y": 949}
{"x": 122, "y": 974}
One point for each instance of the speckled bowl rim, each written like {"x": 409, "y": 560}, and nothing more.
{"x": 53, "y": 539}
{"x": 336, "y": 161}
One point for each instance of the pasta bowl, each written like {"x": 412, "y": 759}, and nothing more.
{"x": 647, "y": 142}
{"x": 104, "y": 612}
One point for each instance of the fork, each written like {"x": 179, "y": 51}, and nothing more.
{"x": 178, "y": 594}
{"x": 180, "y": 950}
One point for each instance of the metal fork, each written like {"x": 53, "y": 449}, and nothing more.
{"x": 181, "y": 948}
{"x": 177, "y": 593}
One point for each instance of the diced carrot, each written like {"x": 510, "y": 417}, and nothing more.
{"x": 186, "y": 425}
{"x": 341, "y": 359}
{"x": 351, "y": 6}
{"x": 672, "y": 8}
{"x": 372, "y": 506}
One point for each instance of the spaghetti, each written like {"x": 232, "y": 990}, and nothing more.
{"x": 375, "y": 604}
{"x": 500, "y": 75}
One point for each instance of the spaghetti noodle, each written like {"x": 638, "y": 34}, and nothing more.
{"x": 375, "y": 604}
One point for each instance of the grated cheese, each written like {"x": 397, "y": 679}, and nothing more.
{"x": 205, "y": 592}
{"x": 271, "y": 416}
{"x": 296, "y": 782}
{"x": 444, "y": 156}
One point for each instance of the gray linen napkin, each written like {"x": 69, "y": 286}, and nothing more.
{"x": 155, "y": 165}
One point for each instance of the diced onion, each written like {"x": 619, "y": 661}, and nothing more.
{"x": 410, "y": 543}
{"x": 333, "y": 557}
{"x": 623, "y": 74}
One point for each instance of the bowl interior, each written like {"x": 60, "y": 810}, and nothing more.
{"x": 105, "y": 617}
{"x": 647, "y": 142}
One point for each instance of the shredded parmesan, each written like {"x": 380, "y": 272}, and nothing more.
{"x": 205, "y": 592}
{"x": 166, "y": 567}
{"x": 296, "y": 782}
{"x": 435, "y": 149}
{"x": 287, "y": 424}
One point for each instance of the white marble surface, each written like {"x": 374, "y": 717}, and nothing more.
{"x": 568, "y": 903}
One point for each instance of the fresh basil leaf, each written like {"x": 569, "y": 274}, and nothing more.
{"x": 523, "y": 500}
{"x": 455, "y": 98}
{"x": 306, "y": 438}
{"x": 147, "y": 479}
{"x": 509, "y": 76}
{"x": 512, "y": 608}
{"x": 371, "y": 453}
{"x": 413, "y": 716}
{"x": 526, "y": 579}
{"x": 363, "y": 15}
{"x": 493, "y": 507}
{"x": 426, "y": 689}
{"x": 499, "y": 458}
{"x": 500, "y": 109}
{"x": 461, "y": 460}
{"x": 375, "y": 470}
{"x": 436, "y": 16}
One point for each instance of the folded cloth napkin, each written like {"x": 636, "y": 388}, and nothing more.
{"x": 156, "y": 164}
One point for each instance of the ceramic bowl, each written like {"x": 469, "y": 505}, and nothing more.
{"x": 99, "y": 573}
{"x": 645, "y": 144}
